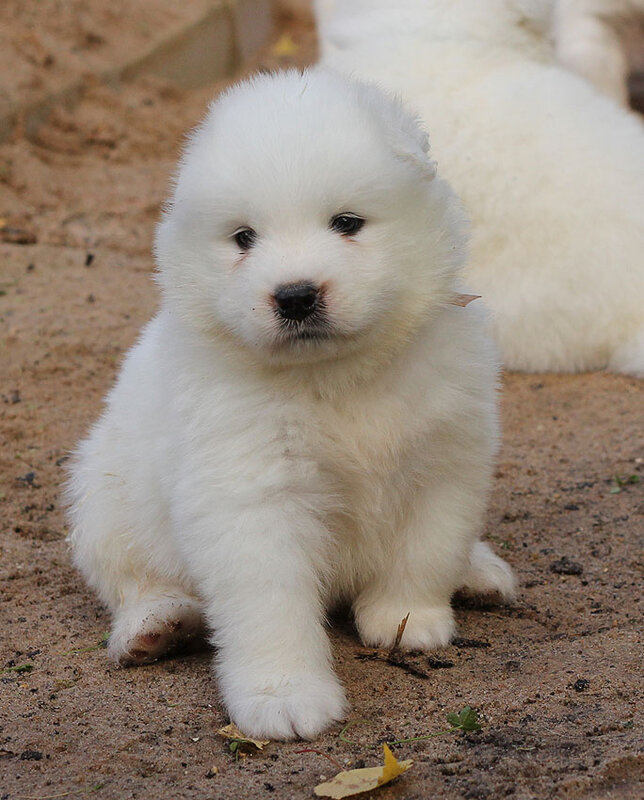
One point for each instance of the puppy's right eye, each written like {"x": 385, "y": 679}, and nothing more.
{"x": 346, "y": 224}
{"x": 244, "y": 238}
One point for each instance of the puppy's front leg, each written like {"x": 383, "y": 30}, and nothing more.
{"x": 260, "y": 570}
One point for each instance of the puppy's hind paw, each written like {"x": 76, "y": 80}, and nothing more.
{"x": 489, "y": 575}
{"x": 152, "y": 627}
{"x": 629, "y": 356}
{"x": 428, "y": 626}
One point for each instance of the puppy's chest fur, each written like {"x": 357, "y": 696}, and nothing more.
{"x": 369, "y": 451}
{"x": 365, "y": 436}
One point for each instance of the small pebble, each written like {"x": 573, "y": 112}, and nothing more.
{"x": 566, "y": 567}
{"x": 31, "y": 755}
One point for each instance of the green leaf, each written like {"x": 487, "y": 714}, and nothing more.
{"x": 469, "y": 719}
{"x": 620, "y": 482}
{"x": 21, "y": 668}
{"x": 466, "y": 720}
{"x": 103, "y": 642}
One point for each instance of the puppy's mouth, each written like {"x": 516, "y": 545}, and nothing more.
{"x": 316, "y": 328}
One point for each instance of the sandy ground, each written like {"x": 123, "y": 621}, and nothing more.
{"x": 554, "y": 678}
{"x": 46, "y": 45}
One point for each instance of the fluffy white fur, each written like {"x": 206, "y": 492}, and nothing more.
{"x": 551, "y": 172}
{"x": 246, "y": 479}
{"x": 589, "y": 41}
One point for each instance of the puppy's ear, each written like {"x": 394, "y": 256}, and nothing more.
{"x": 407, "y": 137}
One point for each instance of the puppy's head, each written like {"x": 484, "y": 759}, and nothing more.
{"x": 307, "y": 220}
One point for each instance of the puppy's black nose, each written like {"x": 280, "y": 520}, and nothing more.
{"x": 296, "y": 301}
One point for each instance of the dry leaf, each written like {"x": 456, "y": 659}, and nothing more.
{"x": 463, "y": 299}
{"x": 285, "y": 46}
{"x": 399, "y": 634}
{"x": 355, "y": 781}
{"x": 232, "y": 732}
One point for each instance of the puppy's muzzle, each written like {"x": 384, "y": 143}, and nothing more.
{"x": 296, "y": 301}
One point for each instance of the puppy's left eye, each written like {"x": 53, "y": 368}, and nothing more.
{"x": 346, "y": 224}
{"x": 244, "y": 238}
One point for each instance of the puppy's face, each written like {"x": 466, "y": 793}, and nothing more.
{"x": 306, "y": 221}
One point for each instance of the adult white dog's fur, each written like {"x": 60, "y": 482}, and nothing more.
{"x": 253, "y": 468}
{"x": 589, "y": 41}
{"x": 551, "y": 171}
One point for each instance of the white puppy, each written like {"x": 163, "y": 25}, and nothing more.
{"x": 589, "y": 41}
{"x": 309, "y": 418}
{"x": 551, "y": 172}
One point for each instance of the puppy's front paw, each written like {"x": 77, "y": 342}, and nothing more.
{"x": 427, "y": 627}
{"x": 285, "y": 707}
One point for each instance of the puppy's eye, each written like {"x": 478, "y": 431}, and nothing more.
{"x": 346, "y": 224}
{"x": 244, "y": 238}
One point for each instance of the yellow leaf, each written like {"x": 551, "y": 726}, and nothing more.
{"x": 232, "y": 732}
{"x": 356, "y": 781}
{"x": 285, "y": 46}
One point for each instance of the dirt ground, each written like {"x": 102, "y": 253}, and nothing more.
{"x": 45, "y": 46}
{"x": 555, "y": 678}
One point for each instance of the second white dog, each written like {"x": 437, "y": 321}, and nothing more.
{"x": 588, "y": 40}
{"x": 551, "y": 171}
{"x": 311, "y": 416}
